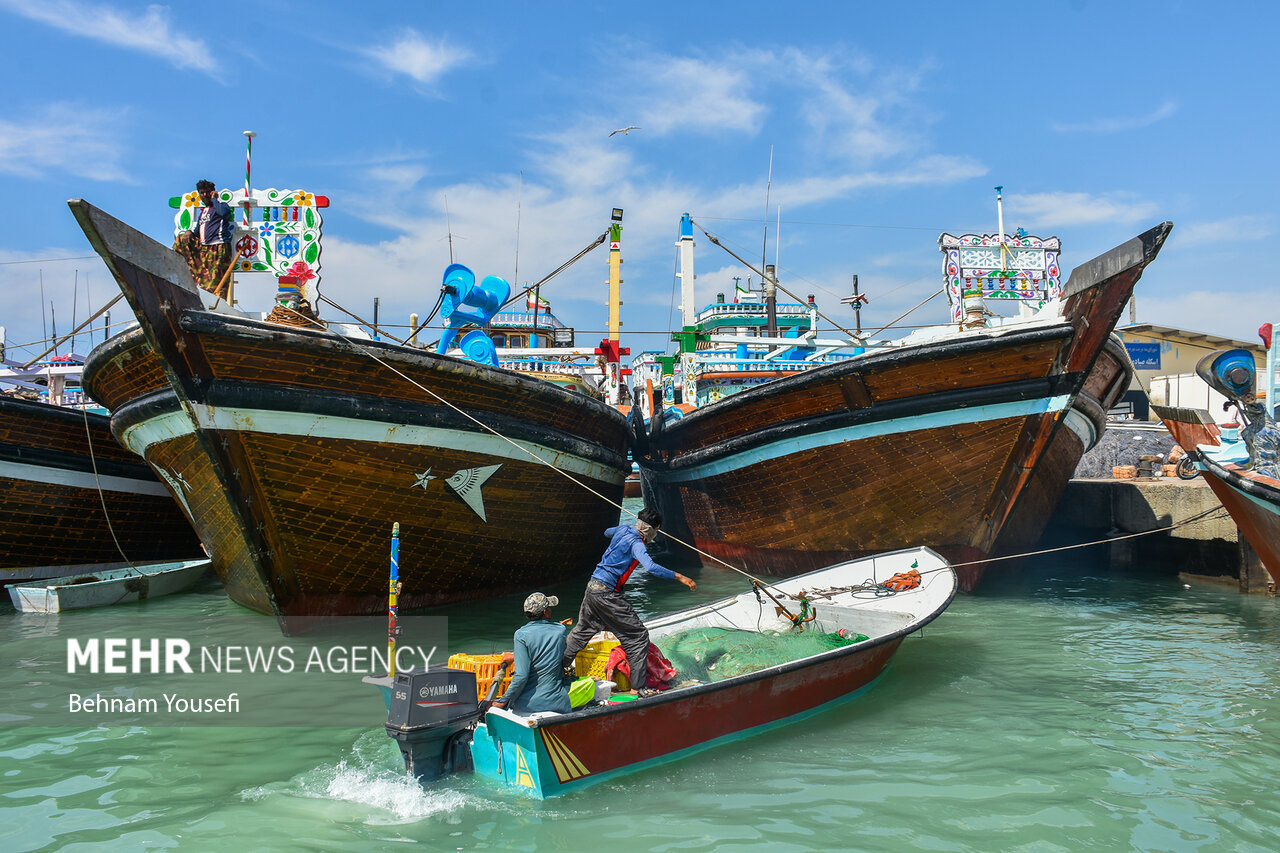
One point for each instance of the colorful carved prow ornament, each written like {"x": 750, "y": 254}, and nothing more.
{"x": 1019, "y": 267}
{"x": 285, "y": 242}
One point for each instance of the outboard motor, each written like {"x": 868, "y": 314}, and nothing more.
{"x": 433, "y": 713}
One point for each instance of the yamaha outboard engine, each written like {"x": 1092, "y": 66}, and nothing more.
{"x": 432, "y": 715}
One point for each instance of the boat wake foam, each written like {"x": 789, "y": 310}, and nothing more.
{"x": 370, "y": 777}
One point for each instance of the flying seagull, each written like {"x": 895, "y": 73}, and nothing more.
{"x": 625, "y": 131}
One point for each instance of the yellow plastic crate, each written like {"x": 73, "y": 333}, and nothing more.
{"x": 593, "y": 658}
{"x": 485, "y": 667}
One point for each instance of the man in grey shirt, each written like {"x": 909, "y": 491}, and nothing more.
{"x": 538, "y": 684}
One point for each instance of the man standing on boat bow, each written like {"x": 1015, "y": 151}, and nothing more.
{"x": 207, "y": 245}
{"x": 603, "y": 606}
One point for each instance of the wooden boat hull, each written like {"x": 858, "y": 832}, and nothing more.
{"x": 99, "y": 589}
{"x": 1086, "y": 421}
{"x": 1252, "y": 499}
{"x": 50, "y": 501}
{"x": 938, "y": 443}
{"x": 296, "y": 450}
{"x": 556, "y": 754}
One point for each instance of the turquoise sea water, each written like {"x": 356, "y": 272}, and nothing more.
{"x": 1067, "y": 708}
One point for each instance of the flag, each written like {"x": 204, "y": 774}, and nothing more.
{"x": 1264, "y": 332}
{"x": 740, "y": 293}
{"x": 534, "y": 302}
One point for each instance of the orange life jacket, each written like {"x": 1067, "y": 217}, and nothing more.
{"x": 903, "y": 581}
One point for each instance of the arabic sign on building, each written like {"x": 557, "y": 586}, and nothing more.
{"x": 1144, "y": 356}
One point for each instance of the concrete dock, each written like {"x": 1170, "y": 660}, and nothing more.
{"x": 1209, "y": 549}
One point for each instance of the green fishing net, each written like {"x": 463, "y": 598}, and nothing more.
{"x": 714, "y": 654}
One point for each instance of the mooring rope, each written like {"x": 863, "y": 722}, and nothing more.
{"x": 102, "y": 498}
{"x": 360, "y": 350}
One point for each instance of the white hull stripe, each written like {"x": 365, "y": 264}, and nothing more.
{"x": 80, "y": 479}
{"x": 173, "y": 425}
{"x": 1082, "y": 427}
{"x": 913, "y": 423}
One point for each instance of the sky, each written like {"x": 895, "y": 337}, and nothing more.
{"x": 837, "y": 138}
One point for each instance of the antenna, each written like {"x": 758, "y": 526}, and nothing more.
{"x": 75, "y": 292}
{"x": 764, "y": 248}
{"x": 519, "y": 201}
{"x": 44, "y": 329}
{"x": 448, "y": 227}
{"x": 777, "y": 238}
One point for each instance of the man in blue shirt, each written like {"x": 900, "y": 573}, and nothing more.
{"x": 603, "y": 606}
{"x": 207, "y": 246}
{"x": 538, "y": 684}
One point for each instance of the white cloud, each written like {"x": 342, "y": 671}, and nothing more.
{"x": 416, "y": 58}
{"x": 1236, "y": 229}
{"x": 68, "y": 138}
{"x": 673, "y": 94}
{"x": 1054, "y": 211}
{"x": 1117, "y": 124}
{"x": 936, "y": 169}
{"x": 847, "y": 103}
{"x": 149, "y": 32}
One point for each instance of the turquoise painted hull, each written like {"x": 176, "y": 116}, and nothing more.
{"x": 516, "y": 756}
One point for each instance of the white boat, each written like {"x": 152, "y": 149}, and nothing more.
{"x": 110, "y": 586}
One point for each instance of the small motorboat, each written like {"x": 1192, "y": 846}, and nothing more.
{"x": 110, "y": 586}
{"x": 852, "y": 617}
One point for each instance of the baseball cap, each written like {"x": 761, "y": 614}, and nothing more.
{"x": 538, "y": 602}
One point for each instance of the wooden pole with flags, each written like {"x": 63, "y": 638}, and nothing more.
{"x": 248, "y": 159}
{"x": 393, "y": 591}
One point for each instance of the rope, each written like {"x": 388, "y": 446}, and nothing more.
{"x": 1193, "y": 519}
{"x": 900, "y": 316}
{"x": 360, "y": 350}
{"x": 357, "y": 317}
{"x": 748, "y": 265}
{"x": 879, "y": 590}
{"x": 556, "y": 271}
{"x": 102, "y": 498}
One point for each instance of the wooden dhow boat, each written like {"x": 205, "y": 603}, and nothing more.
{"x": 963, "y": 437}
{"x": 290, "y": 445}
{"x": 1243, "y": 470}
{"x": 73, "y": 499}
{"x": 442, "y": 728}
